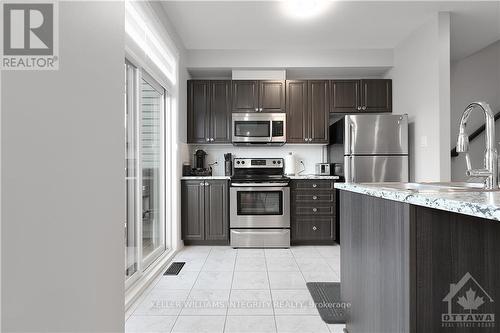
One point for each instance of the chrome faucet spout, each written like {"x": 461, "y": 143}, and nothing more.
{"x": 490, "y": 170}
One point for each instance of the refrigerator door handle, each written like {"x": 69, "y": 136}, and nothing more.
{"x": 348, "y": 136}
{"x": 348, "y": 169}
{"x": 352, "y": 171}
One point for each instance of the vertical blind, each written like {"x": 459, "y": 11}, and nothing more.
{"x": 151, "y": 107}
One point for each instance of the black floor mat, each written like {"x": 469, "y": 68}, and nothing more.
{"x": 326, "y": 296}
{"x": 174, "y": 269}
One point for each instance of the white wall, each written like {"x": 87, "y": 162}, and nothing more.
{"x": 289, "y": 59}
{"x": 63, "y": 188}
{"x": 310, "y": 154}
{"x": 421, "y": 89}
{"x": 474, "y": 78}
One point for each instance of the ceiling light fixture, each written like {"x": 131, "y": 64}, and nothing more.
{"x": 304, "y": 9}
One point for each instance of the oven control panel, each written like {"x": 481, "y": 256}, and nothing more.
{"x": 258, "y": 162}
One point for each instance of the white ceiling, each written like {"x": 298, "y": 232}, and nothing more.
{"x": 264, "y": 25}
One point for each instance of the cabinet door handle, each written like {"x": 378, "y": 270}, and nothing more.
{"x": 211, "y": 139}
{"x": 315, "y": 197}
{"x": 260, "y": 109}
{"x": 314, "y": 185}
{"x": 364, "y": 107}
{"x": 206, "y": 184}
{"x": 256, "y": 109}
{"x": 208, "y": 139}
{"x": 314, "y": 228}
{"x": 315, "y": 210}
{"x": 310, "y": 139}
{"x": 202, "y": 184}
{"x": 359, "y": 108}
{"x": 305, "y": 139}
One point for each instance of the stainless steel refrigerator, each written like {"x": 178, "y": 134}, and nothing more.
{"x": 376, "y": 148}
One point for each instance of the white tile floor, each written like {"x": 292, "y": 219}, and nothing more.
{"x": 221, "y": 289}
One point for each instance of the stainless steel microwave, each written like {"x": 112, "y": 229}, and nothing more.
{"x": 259, "y": 128}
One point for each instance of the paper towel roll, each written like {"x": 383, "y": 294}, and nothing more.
{"x": 290, "y": 164}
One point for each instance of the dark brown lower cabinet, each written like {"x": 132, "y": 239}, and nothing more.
{"x": 313, "y": 212}
{"x": 205, "y": 211}
{"x": 408, "y": 268}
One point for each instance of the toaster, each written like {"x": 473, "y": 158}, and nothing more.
{"x": 324, "y": 169}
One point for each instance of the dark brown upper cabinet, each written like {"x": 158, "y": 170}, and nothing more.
{"x": 209, "y": 111}
{"x": 198, "y": 111}
{"x": 358, "y": 96}
{"x": 220, "y": 111}
{"x": 345, "y": 96}
{"x": 296, "y": 111}
{"x": 245, "y": 96}
{"x": 272, "y": 96}
{"x": 258, "y": 96}
{"x": 376, "y": 95}
{"x": 307, "y": 104}
{"x": 318, "y": 104}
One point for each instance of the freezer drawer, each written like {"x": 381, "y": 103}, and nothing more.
{"x": 370, "y": 169}
{"x": 376, "y": 135}
{"x": 260, "y": 238}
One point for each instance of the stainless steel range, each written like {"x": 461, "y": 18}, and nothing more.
{"x": 259, "y": 203}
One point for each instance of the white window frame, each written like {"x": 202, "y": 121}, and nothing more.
{"x": 147, "y": 264}
{"x": 146, "y": 48}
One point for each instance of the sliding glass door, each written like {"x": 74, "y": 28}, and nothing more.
{"x": 131, "y": 164}
{"x": 145, "y": 227}
{"x": 152, "y": 166}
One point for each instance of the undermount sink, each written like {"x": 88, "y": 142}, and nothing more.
{"x": 435, "y": 187}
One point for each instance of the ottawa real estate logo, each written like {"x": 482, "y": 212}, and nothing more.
{"x": 30, "y": 38}
{"x": 469, "y": 305}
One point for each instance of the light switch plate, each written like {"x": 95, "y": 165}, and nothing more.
{"x": 423, "y": 141}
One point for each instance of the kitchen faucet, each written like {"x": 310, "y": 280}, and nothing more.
{"x": 489, "y": 172}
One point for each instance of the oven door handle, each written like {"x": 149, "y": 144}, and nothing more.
{"x": 259, "y": 184}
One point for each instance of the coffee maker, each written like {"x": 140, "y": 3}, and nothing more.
{"x": 200, "y": 164}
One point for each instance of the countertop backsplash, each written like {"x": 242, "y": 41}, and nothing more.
{"x": 310, "y": 154}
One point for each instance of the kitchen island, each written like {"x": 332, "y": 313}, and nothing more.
{"x": 419, "y": 261}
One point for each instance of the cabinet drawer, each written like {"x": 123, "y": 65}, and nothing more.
{"x": 312, "y": 197}
{"x": 314, "y": 210}
{"x": 313, "y": 228}
{"x": 313, "y": 184}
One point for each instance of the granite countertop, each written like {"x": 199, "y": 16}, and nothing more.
{"x": 480, "y": 204}
{"x": 204, "y": 177}
{"x": 313, "y": 177}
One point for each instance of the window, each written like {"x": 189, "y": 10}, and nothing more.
{"x": 148, "y": 39}
{"x": 152, "y": 168}
{"x": 145, "y": 225}
{"x": 151, "y": 72}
